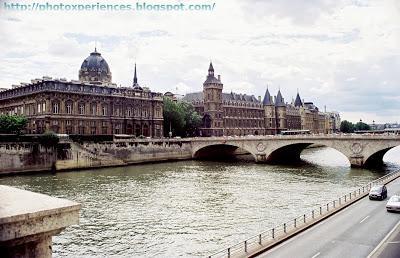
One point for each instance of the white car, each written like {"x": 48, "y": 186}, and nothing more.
{"x": 393, "y": 204}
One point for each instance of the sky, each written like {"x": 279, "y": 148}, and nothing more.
{"x": 340, "y": 54}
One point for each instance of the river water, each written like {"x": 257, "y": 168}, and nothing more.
{"x": 192, "y": 208}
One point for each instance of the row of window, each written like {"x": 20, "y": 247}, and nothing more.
{"x": 69, "y": 109}
{"x": 244, "y": 123}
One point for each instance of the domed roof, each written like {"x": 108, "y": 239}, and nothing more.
{"x": 95, "y": 69}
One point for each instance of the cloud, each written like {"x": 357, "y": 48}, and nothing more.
{"x": 326, "y": 49}
{"x": 304, "y": 12}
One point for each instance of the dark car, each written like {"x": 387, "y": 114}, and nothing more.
{"x": 378, "y": 192}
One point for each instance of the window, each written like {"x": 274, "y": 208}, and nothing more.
{"x": 81, "y": 109}
{"x": 93, "y": 130}
{"x": 94, "y": 109}
{"x": 104, "y": 110}
{"x": 81, "y": 130}
{"x": 39, "y": 108}
{"x": 117, "y": 129}
{"x": 116, "y": 111}
{"x": 68, "y": 107}
{"x": 56, "y": 108}
{"x": 44, "y": 107}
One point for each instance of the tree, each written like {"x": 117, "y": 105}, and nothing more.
{"x": 346, "y": 127}
{"x": 181, "y": 117}
{"x": 192, "y": 119}
{"x": 12, "y": 124}
{"x": 360, "y": 126}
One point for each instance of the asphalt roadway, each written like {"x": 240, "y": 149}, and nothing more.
{"x": 353, "y": 232}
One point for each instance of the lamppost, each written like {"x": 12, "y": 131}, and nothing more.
{"x": 170, "y": 130}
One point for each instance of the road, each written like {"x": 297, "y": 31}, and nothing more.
{"x": 353, "y": 232}
{"x": 390, "y": 246}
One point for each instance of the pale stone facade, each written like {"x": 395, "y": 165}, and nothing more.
{"x": 241, "y": 114}
{"x": 226, "y": 113}
{"x": 92, "y": 105}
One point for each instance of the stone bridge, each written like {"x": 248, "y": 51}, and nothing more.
{"x": 361, "y": 150}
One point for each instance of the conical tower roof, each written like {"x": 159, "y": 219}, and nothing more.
{"x": 280, "y": 101}
{"x": 298, "y": 102}
{"x": 267, "y": 98}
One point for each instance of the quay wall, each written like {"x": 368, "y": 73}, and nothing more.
{"x": 107, "y": 154}
{"x": 34, "y": 157}
{"x": 26, "y": 157}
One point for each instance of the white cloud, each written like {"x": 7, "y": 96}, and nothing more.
{"x": 327, "y": 49}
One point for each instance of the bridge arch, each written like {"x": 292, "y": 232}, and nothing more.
{"x": 290, "y": 152}
{"x": 219, "y": 150}
{"x": 374, "y": 157}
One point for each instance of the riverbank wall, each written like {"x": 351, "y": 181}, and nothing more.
{"x": 23, "y": 157}
{"x": 31, "y": 157}
{"x": 120, "y": 153}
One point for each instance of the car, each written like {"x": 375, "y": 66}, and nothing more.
{"x": 393, "y": 204}
{"x": 378, "y": 192}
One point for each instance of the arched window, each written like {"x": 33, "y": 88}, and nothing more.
{"x": 104, "y": 110}
{"x": 56, "y": 108}
{"x": 93, "y": 109}
{"x": 81, "y": 108}
{"x": 68, "y": 107}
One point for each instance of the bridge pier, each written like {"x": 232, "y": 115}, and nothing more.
{"x": 261, "y": 158}
{"x": 357, "y": 161}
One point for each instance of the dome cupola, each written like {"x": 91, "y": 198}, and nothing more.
{"x": 94, "y": 69}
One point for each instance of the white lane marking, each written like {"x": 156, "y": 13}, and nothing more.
{"x": 364, "y": 219}
{"x": 383, "y": 240}
{"x": 315, "y": 255}
{"x": 394, "y": 242}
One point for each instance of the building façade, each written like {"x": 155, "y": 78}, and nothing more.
{"x": 91, "y": 106}
{"x": 241, "y": 114}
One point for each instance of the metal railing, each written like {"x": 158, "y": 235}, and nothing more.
{"x": 272, "y": 235}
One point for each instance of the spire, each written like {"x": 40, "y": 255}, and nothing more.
{"x": 298, "y": 102}
{"x": 135, "y": 78}
{"x": 267, "y": 98}
{"x": 211, "y": 70}
{"x": 279, "y": 99}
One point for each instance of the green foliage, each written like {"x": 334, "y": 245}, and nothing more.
{"x": 360, "y": 126}
{"x": 349, "y": 127}
{"x": 181, "y": 117}
{"x": 346, "y": 127}
{"x": 12, "y": 124}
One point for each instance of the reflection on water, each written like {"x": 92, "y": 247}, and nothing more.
{"x": 192, "y": 208}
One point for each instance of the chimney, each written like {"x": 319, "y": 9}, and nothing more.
{"x": 219, "y": 77}
{"x": 259, "y": 98}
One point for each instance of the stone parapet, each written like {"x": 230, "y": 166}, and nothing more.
{"x": 29, "y": 220}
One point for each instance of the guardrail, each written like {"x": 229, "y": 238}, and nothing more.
{"x": 268, "y": 238}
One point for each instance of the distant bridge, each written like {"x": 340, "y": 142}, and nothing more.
{"x": 360, "y": 150}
